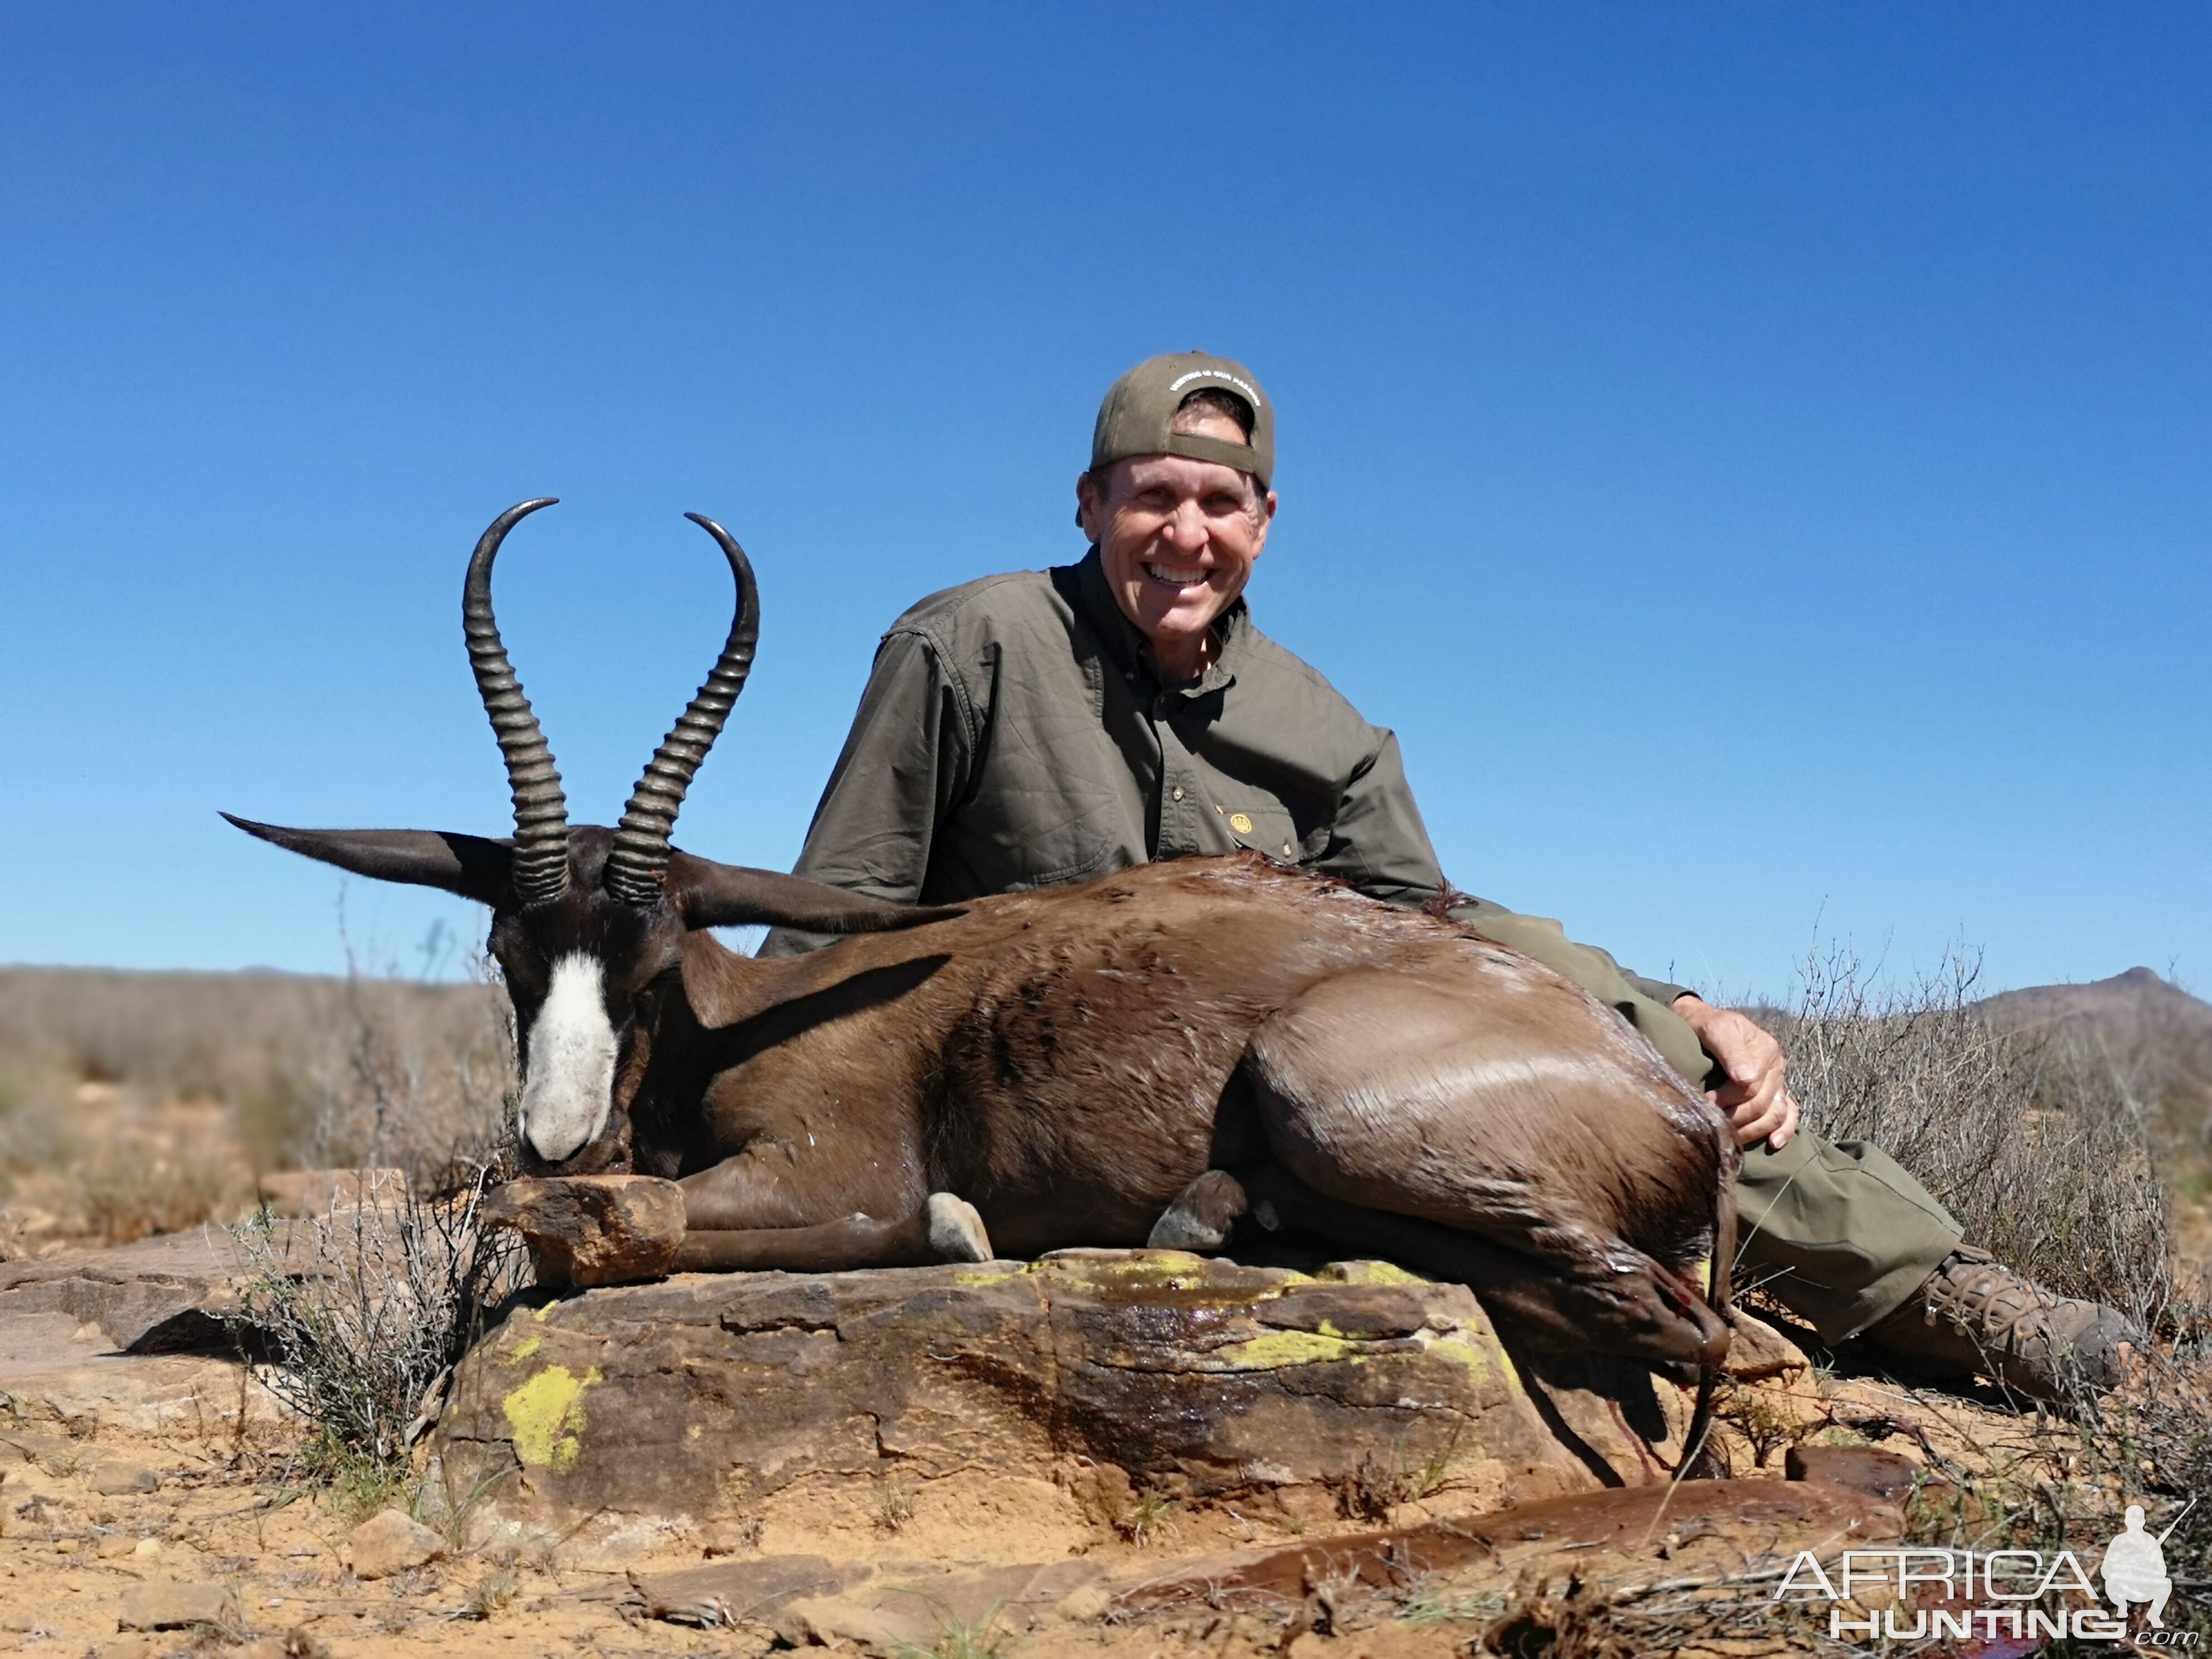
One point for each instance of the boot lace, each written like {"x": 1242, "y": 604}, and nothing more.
{"x": 1998, "y": 1309}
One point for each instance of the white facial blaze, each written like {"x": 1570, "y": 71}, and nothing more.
{"x": 568, "y": 1073}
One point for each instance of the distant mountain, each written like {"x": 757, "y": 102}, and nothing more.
{"x": 2150, "y": 1025}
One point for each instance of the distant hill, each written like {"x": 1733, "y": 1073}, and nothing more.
{"x": 2153, "y": 1029}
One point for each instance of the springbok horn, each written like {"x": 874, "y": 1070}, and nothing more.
{"x": 541, "y": 810}
{"x": 638, "y": 864}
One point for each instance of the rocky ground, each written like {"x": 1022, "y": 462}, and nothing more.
{"x": 145, "y": 1506}
{"x": 1157, "y": 1460}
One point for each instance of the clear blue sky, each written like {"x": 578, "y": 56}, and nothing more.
{"x": 1756, "y": 457}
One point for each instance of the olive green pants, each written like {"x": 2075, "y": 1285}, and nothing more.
{"x": 1834, "y": 1231}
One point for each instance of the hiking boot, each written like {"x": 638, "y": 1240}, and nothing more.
{"x": 1974, "y": 1314}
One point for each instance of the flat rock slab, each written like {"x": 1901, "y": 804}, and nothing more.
{"x": 54, "y": 1370}
{"x": 162, "y": 1294}
{"x": 1619, "y": 1541}
{"x": 134, "y": 1336}
{"x": 1616, "y": 1541}
{"x": 723, "y": 1593}
{"x": 163, "y": 1605}
{"x": 697, "y": 1398}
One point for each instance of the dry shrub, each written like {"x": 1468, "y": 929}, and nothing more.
{"x": 108, "y": 1170}
{"x": 2037, "y": 1148}
{"x": 2063, "y": 1480}
{"x": 1558, "y": 1616}
{"x": 365, "y": 1311}
{"x": 420, "y": 1083}
{"x": 139, "y": 1102}
{"x": 2153, "y": 1438}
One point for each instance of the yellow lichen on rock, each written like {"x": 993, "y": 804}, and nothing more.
{"x": 1482, "y": 1354}
{"x": 546, "y": 1414}
{"x": 1367, "y": 1273}
{"x": 1277, "y": 1349}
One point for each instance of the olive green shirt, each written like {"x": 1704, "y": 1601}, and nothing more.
{"x": 1015, "y": 733}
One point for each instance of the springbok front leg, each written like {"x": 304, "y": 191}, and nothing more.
{"x": 748, "y": 1213}
{"x": 944, "y": 1229}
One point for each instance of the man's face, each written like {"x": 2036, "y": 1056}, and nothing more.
{"x": 1179, "y": 539}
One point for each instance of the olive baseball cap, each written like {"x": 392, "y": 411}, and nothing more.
{"x": 1138, "y": 417}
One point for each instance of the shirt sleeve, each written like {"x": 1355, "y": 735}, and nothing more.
{"x": 1378, "y": 842}
{"x": 904, "y": 767}
{"x": 1658, "y": 990}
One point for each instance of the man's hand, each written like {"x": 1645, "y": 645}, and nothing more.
{"x": 1753, "y": 1097}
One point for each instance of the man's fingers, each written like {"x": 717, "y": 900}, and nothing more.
{"x": 1758, "y": 1106}
{"x": 1774, "y": 1122}
{"x": 1751, "y": 1132}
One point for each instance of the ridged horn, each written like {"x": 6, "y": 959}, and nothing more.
{"x": 639, "y": 861}
{"x": 541, "y": 810}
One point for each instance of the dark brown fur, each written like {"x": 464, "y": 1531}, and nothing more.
{"x": 1070, "y": 1061}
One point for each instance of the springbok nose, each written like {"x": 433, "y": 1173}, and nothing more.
{"x": 569, "y": 1073}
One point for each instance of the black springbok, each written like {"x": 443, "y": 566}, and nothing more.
{"x": 1150, "y": 1056}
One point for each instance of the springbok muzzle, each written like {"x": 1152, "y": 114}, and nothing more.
{"x": 569, "y": 1063}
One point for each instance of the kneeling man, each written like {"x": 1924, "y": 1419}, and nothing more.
{"x": 1050, "y": 727}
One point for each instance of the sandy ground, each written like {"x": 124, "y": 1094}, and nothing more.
{"x": 74, "y": 1545}
{"x": 154, "y": 1482}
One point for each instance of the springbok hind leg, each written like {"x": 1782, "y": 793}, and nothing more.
{"x": 1202, "y": 1214}
{"x": 1638, "y": 1311}
{"x": 1516, "y": 1132}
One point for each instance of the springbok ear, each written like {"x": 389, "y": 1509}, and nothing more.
{"x": 470, "y": 866}
{"x": 712, "y": 895}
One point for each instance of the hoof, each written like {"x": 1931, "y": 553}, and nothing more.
{"x": 955, "y": 1231}
{"x": 1202, "y": 1214}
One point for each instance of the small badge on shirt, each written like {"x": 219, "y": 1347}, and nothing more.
{"x": 1241, "y": 823}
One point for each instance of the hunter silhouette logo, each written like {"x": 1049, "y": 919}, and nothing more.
{"x": 1918, "y": 1593}
{"x": 2135, "y": 1565}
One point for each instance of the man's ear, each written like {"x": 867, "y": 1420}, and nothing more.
{"x": 711, "y": 895}
{"x": 1089, "y": 514}
{"x": 468, "y": 865}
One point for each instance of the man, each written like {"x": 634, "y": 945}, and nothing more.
{"x": 1044, "y": 727}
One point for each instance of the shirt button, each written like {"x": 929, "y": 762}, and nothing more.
{"x": 1175, "y": 793}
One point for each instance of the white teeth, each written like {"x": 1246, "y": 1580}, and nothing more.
{"x": 1179, "y": 578}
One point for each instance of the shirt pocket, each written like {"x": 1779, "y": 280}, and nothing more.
{"x": 1264, "y": 826}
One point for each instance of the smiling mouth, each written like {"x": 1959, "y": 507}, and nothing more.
{"x": 1177, "y": 577}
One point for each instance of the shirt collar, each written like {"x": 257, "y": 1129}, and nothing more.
{"x": 1130, "y": 649}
